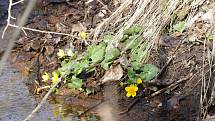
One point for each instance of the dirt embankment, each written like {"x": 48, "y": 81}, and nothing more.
{"x": 178, "y": 101}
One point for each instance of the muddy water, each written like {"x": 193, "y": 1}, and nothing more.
{"x": 15, "y": 100}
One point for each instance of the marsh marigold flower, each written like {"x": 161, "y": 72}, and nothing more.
{"x": 55, "y": 77}
{"x": 131, "y": 90}
{"x": 60, "y": 53}
{"x": 83, "y": 35}
{"x": 45, "y": 77}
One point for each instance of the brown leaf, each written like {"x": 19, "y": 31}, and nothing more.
{"x": 113, "y": 74}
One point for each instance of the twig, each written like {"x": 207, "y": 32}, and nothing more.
{"x": 26, "y": 28}
{"x": 8, "y": 17}
{"x": 21, "y": 1}
{"x": 92, "y": 107}
{"x": 130, "y": 106}
{"x": 170, "y": 86}
{"x": 105, "y": 6}
{"x": 42, "y": 31}
{"x": 42, "y": 88}
{"x": 170, "y": 59}
{"x": 30, "y": 116}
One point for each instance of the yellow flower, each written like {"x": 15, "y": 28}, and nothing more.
{"x": 83, "y": 35}
{"x": 121, "y": 84}
{"x": 55, "y": 77}
{"x": 131, "y": 90}
{"x": 45, "y": 77}
{"x": 139, "y": 81}
{"x": 60, "y": 53}
{"x": 70, "y": 53}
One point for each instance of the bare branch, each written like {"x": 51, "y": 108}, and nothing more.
{"x": 21, "y": 1}
{"x": 41, "y": 31}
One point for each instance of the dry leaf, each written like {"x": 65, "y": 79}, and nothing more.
{"x": 113, "y": 74}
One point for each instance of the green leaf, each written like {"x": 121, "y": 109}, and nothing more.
{"x": 92, "y": 117}
{"x": 179, "y": 27}
{"x": 131, "y": 73}
{"x": 55, "y": 76}
{"x": 131, "y": 81}
{"x": 133, "y": 30}
{"x": 75, "y": 83}
{"x": 136, "y": 65}
{"x": 96, "y": 52}
{"x": 66, "y": 68}
{"x": 108, "y": 38}
{"x": 74, "y": 67}
{"x": 132, "y": 76}
{"x": 139, "y": 54}
{"x": 133, "y": 42}
{"x": 111, "y": 54}
{"x": 105, "y": 65}
{"x": 149, "y": 72}
{"x": 125, "y": 37}
{"x": 80, "y": 66}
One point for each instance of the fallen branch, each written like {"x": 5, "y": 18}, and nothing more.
{"x": 170, "y": 86}
{"x": 30, "y": 116}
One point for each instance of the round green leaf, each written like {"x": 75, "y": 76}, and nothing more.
{"x": 149, "y": 72}
{"x": 75, "y": 83}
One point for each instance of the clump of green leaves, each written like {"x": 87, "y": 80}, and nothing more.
{"x": 135, "y": 46}
{"x": 138, "y": 51}
{"x": 75, "y": 83}
{"x": 104, "y": 54}
{"x": 146, "y": 73}
{"x": 136, "y": 77}
{"x": 95, "y": 54}
{"x": 176, "y": 26}
{"x": 179, "y": 27}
